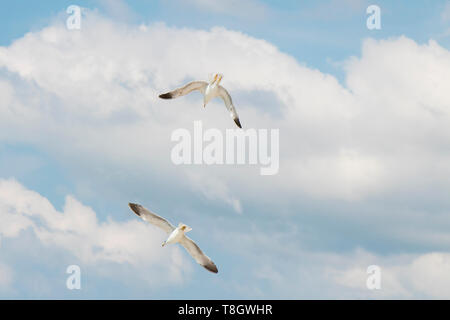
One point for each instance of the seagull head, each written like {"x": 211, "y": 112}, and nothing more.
{"x": 215, "y": 77}
{"x": 219, "y": 78}
{"x": 184, "y": 227}
{"x": 212, "y": 78}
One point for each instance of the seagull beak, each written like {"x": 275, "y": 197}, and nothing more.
{"x": 214, "y": 79}
{"x": 220, "y": 79}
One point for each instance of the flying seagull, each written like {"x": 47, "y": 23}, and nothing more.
{"x": 209, "y": 90}
{"x": 175, "y": 235}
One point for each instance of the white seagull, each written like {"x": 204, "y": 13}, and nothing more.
{"x": 175, "y": 235}
{"x": 209, "y": 90}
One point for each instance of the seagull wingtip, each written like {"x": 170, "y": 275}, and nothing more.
{"x": 166, "y": 95}
{"x": 212, "y": 268}
{"x": 135, "y": 207}
{"x": 238, "y": 123}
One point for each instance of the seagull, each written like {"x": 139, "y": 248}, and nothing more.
{"x": 209, "y": 90}
{"x": 175, "y": 235}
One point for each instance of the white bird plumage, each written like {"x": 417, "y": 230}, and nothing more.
{"x": 175, "y": 235}
{"x": 209, "y": 90}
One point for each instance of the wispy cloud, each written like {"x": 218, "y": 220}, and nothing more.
{"x": 445, "y": 15}
{"x": 118, "y": 9}
{"x": 251, "y": 9}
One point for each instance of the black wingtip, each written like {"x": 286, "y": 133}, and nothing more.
{"x": 167, "y": 95}
{"x": 135, "y": 207}
{"x": 211, "y": 268}
{"x": 238, "y": 123}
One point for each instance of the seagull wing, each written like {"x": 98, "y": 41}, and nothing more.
{"x": 198, "y": 254}
{"x": 223, "y": 93}
{"x": 152, "y": 218}
{"x": 191, "y": 86}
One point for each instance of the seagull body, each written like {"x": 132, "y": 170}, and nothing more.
{"x": 209, "y": 90}
{"x": 176, "y": 235}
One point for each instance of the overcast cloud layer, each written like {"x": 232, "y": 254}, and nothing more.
{"x": 364, "y": 165}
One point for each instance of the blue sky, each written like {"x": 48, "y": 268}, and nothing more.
{"x": 362, "y": 114}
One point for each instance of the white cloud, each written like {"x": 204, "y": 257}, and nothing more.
{"x": 351, "y": 272}
{"x": 429, "y": 274}
{"x": 214, "y": 189}
{"x": 424, "y": 275}
{"x": 92, "y": 96}
{"x": 280, "y": 260}
{"x": 105, "y": 85}
{"x": 77, "y": 231}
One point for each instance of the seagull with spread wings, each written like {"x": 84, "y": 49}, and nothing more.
{"x": 209, "y": 90}
{"x": 175, "y": 235}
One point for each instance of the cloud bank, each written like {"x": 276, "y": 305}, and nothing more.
{"x": 370, "y": 154}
